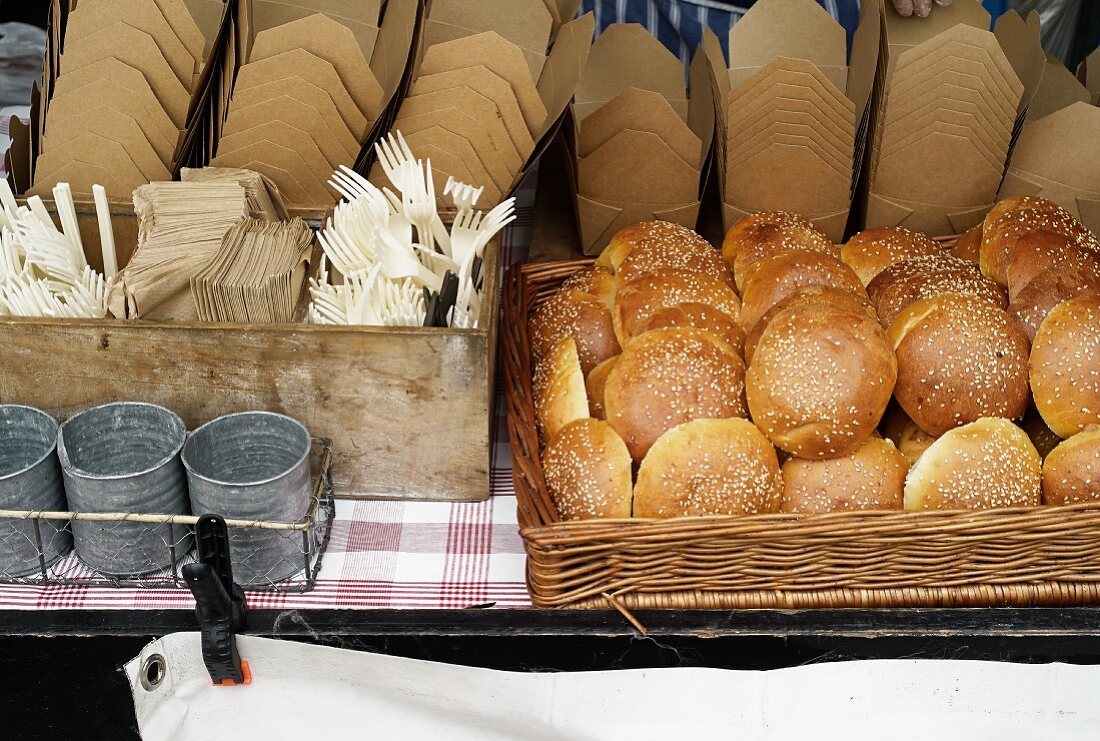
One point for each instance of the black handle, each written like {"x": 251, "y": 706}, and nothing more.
{"x": 214, "y": 611}
{"x": 219, "y": 603}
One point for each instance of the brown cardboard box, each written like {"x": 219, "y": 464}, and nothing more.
{"x": 316, "y": 77}
{"x": 790, "y": 112}
{"x": 1058, "y": 157}
{"x": 491, "y": 83}
{"x": 949, "y": 102}
{"x": 1058, "y": 89}
{"x": 132, "y": 82}
{"x": 638, "y": 143}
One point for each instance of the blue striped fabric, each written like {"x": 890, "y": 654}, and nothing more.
{"x": 679, "y": 23}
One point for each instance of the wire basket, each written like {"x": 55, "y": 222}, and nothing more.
{"x": 304, "y": 542}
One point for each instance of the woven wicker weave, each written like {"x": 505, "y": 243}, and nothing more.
{"x": 1022, "y": 556}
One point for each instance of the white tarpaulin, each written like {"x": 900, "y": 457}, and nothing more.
{"x": 306, "y": 692}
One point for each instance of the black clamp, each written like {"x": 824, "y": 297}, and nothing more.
{"x": 219, "y": 603}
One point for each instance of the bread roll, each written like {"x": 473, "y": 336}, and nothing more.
{"x": 969, "y": 245}
{"x": 1039, "y": 251}
{"x": 595, "y": 383}
{"x": 558, "y": 387}
{"x": 639, "y": 300}
{"x": 1065, "y": 366}
{"x": 985, "y": 464}
{"x": 629, "y": 237}
{"x": 773, "y": 279}
{"x": 709, "y": 467}
{"x": 760, "y": 235}
{"x": 873, "y": 250}
{"x": 913, "y": 441}
{"x": 588, "y": 471}
{"x": 669, "y": 376}
{"x": 1020, "y": 203}
{"x": 836, "y": 297}
{"x": 904, "y": 270}
{"x": 699, "y": 316}
{"x": 1042, "y": 437}
{"x": 1048, "y": 289}
{"x": 959, "y": 359}
{"x": 999, "y": 238}
{"x": 907, "y": 291}
{"x": 1071, "y": 472}
{"x": 593, "y": 280}
{"x": 819, "y": 380}
{"x": 694, "y": 255}
{"x": 581, "y": 316}
{"x": 870, "y": 477}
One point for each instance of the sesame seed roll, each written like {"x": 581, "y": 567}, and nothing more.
{"x": 984, "y": 464}
{"x": 959, "y": 358}
{"x": 709, "y": 467}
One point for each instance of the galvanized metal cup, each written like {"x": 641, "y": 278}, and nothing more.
{"x": 125, "y": 457}
{"x": 30, "y": 479}
{"x": 253, "y": 466}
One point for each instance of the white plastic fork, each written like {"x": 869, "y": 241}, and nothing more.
{"x": 498, "y": 217}
{"x": 464, "y": 235}
{"x": 419, "y": 203}
{"x": 462, "y": 195}
{"x": 397, "y": 161}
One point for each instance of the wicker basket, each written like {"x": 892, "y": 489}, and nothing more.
{"x": 1021, "y": 556}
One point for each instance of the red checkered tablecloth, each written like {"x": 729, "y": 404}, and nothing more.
{"x": 381, "y": 554}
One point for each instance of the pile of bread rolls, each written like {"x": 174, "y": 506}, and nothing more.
{"x": 785, "y": 373}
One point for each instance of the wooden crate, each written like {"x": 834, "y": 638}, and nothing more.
{"x": 408, "y": 409}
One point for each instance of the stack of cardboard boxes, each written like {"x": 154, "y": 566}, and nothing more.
{"x": 315, "y": 79}
{"x": 790, "y": 112}
{"x": 639, "y": 140}
{"x": 489, "y": 87}
{"x": 126, "y": 90}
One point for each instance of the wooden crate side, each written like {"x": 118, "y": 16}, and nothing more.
{"x": 406, "y": 409}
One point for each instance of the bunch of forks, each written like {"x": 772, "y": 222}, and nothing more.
{"x": 43, "y": 269}
{"x": 391, "y": 252}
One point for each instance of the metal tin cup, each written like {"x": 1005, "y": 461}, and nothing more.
{"x": 30, "y": 479}
{"x": 125, "y": 457}
{"x": 253, "y": 466}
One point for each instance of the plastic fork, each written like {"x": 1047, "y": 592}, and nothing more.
{"x": 419, "y": 203}
{"x": 462, "y": 195}
{"x": 397, "y": 161}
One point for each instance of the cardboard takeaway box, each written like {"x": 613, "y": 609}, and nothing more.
{"x": 790, "y": 111}
{"x": 489, "y": 88}
{"x": 1057, "y": 152}
{"x": 638, "y": 144}
{"x": 949, "y": 103}
{"x": 129, "y": 91}
{"x": 315, "y": 82}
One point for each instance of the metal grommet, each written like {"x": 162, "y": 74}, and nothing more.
{"x": 152, "y": 672}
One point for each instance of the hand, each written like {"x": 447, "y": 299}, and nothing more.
{"x": 919, "y": 8}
